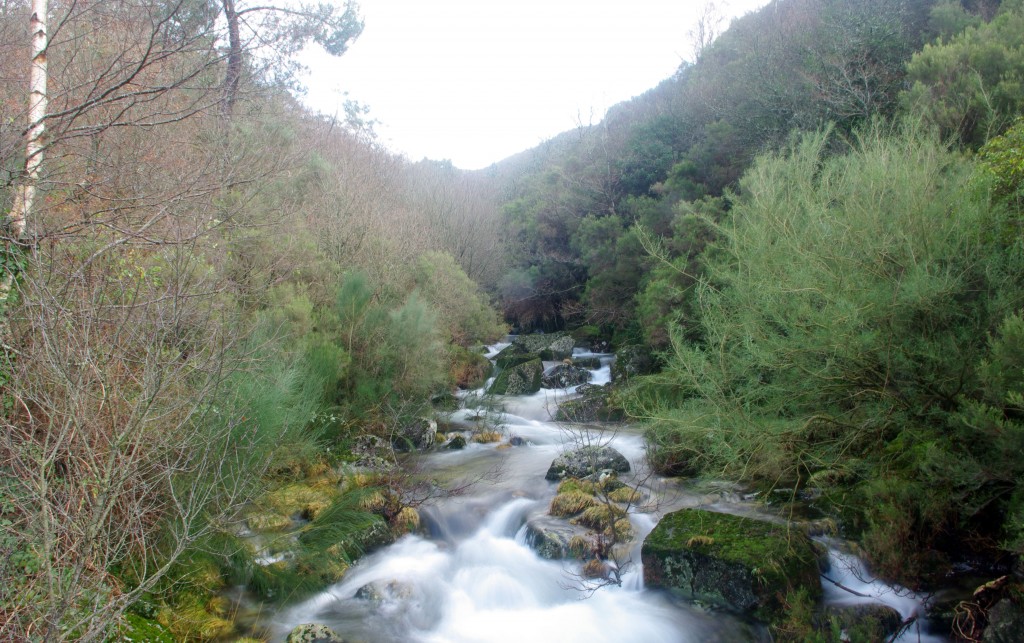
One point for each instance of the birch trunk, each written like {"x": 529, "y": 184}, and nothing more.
{"x": 26, "y": 193}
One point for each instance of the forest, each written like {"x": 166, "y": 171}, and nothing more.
{"x": 220, "y": 309}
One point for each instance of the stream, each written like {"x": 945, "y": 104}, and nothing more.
{"x": 470, "y": 575}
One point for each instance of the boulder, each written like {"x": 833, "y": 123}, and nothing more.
{"x": 556, "y": 539}
{"x": 564, "y": 376}
{"x": 374, "y": 452}
{"x": 418, "y": 434}
{"x": 513, "y": 354}
{"x": 740, "y": 563}
{"x": 312, "y": 633}
{"x": 549, "y": 346}
{"x": 519, "y": 379}
{"x": 587, "y": 362}
{"x": 457, "y": 442}
{"x": 631, "y": 361}
{"x": 380, "y": 591}
{"x": 1005, "y": 622}
{"x": 586, "y": 461}
{"x": 592, "y": 406}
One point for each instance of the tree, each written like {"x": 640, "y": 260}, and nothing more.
{"x": 277, "y": 32}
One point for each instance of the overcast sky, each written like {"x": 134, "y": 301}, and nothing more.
{"x": 475, "y": 81}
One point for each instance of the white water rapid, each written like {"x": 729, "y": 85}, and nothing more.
{"x": 472, "y": 577}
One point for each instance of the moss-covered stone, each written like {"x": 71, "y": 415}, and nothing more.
{"x": 520, "y": 379}
{"x": 550, "y": 346}
{"x": 313, "y": 633}
{"x": 631, "y": 361}
{"x": 744, "y": 564}
{"x": 593, "y": 405}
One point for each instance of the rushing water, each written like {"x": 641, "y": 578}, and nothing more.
{"x": 472, "y": 576}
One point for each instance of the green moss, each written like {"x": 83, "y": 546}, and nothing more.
{"x": 138, "y": 629}
{"x": 520, "y": 379}
{"x": 743, "y": 563}
{"x": 300, "y": 498}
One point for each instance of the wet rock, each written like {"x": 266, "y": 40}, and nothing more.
{"x": 587, "y": 362}
{"x": 517, "y": 441}
{"x": 874, "y": 622}
{"x": 520, "y": 379}
{"x": 549, "y": 346}
{"x": 1005, "y": 622}
{"x": 313, "y": 633}
{"x": 564, "y": 376}
{"x": 418, "y": 434}
{"x": 556, "y": 539}
{"x": 593, "y": 405}
{"x": 456, "y": 443}
{"x": 740, "y": 563}
{"x": 380, "y": 592}
{"x": 586, "y": 461}
{"x": 631, "y": 361}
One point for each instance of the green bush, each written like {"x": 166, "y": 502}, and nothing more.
{"x": 845, "y": 321}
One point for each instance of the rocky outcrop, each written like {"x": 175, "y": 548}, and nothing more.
{"x": 631, "y": 361}
{"x": 740, "y": 563}
{"x": 519, "y": 379}
{"x": 381, "y": 592}
{"x": 313, "y": 633}
{"x": 593, "y": 405}
{"x": 564, "y": 376}
{"x": 1005, "y": 622}
{"x": 549, "y": 346}
{"x": 586, "y": 461}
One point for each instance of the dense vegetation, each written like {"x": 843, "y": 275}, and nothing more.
{"x": 817, "y": 223}
{"x": 216, "y": 295}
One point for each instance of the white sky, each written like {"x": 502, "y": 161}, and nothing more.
{"x": 475, "y": 81}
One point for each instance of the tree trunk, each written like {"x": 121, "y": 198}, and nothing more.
{"x": 234, "y": 71}
{"x": 25, "y": 193}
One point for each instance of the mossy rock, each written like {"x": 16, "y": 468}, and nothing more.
{"x": 862, "y": 623}
{"x": 139, "y": 629}
{"x": 550, "y": 346}
{"x": 593, "y": 405}
{"x": 631, "y": 361}
{"x": 512, "y": 355}
{"x": 457, "y": 442}
{"x": 586, "y": 461}
{"x": 740, "y": 563}
{"x": 313, "y": 633}
{"x": 591, "y": 363}
{"x": 520, "y": 379}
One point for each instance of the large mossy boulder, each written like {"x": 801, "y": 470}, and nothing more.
{"x": 631, "y": 361}
{"x": 593, "y": 405}
{"x": 513, "y": 354}
{"x": 564, "y": 376}
{"x": 519, "y": 379}
{"x": 586, "y": 461}
{"x": 743, "y": 564}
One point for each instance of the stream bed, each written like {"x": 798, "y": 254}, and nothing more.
{"x": 470, "y": 575}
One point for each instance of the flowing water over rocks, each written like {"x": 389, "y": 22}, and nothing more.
{"x": 473, "y": 576}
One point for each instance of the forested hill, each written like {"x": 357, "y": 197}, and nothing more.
{"x": 795, "y": 65}
{"x": 816, "y": 228}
